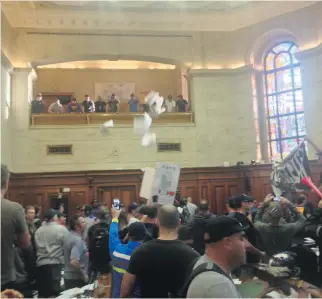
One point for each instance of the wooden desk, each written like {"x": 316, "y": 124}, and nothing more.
{"x": 51, "y": 119}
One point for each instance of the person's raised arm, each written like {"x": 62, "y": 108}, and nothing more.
{"x": 299, "y": 218}
{"x": 114, "y": 239}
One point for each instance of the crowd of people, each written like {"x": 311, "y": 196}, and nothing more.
{"x": 110, "y": 105}
{"x": 152, "y": 251}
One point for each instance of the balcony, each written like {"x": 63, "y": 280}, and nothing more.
{"x": 51, "y": 119}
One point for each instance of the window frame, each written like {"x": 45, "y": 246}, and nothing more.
{"x": 292, "y": 66}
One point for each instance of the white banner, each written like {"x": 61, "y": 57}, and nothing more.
{"x": 147, "y": 184}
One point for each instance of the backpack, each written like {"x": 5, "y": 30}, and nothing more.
{"x": 205, "y": 267}
{"x": 98, "y": 246}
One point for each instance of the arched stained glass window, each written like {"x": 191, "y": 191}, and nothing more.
{"x": 284, "y": 100}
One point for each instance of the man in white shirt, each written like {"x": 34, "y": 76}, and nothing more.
{"x": 225, "y": 251}
{"x": 56, "y": 107}
{"x": 170, "y": 104}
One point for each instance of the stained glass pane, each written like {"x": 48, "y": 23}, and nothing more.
{"x": 285, "y": 103}
{"x": 288, "y": 146}
{"x": 272, "y": 108}
{"x": 273, "y": 124}
{"x": 297, "y": 77}
{"x": 270, "y": 61}
{"x": 288, "y": 126}
{"x": 294, "y": 49}
{"x": 270, "y": 79}
{"x": 282, "y": 47}
{"x": 283, "y": 59}
{"x": 301, "y": 124}
{"x": 284, "y": 80}
{"x": 299, "y": 101}
{"x": 275, "y": 155}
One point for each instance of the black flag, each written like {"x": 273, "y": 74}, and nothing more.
{"x": 288, "y": 175}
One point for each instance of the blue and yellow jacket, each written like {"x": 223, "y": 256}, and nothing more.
{"x": 120, "y": 255}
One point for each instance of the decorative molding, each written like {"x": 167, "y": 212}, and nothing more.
{"x": 309, "y": 53}
{"x": 247, "y": 69}
{"x": 6, "y": 62}
{"x": 20, "y": 16}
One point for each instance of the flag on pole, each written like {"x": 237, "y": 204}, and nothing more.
{"x": 289, "y": 174}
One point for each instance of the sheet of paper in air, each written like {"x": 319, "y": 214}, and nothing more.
{"x": 142, "y": 124}
{"x": 155, "y": 102}
{"x": 105, "y": 128}
{"x": 166, "y": 182}
{"x": 147, "y": 183}
{"x": 149, "y": 139}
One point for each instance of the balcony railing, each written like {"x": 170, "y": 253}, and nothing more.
{"x": 99, "y": 118}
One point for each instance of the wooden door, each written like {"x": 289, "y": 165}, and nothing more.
{"x": 126, "y": 194}
{"x": 77, "y": 198}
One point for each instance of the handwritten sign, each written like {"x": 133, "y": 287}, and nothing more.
{"x": 166, "y": 182}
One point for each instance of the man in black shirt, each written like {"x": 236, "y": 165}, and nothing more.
{"x": 197, "y": 226}
{"x": 160, "y": 266}
{"x": 37, "y": 106}
{"x": 181, "y": 104}
{"x": 88, "y": 105}
{"x": 236, "y": 209}
{"x": 100, "y": 105}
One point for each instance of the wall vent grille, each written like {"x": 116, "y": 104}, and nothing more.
{"x": 59, "y": 149}
{"x": 169, "y": 147}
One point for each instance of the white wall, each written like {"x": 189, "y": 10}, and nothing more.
{"x": 222, "y": 100}
{"x": 5, "y": 115}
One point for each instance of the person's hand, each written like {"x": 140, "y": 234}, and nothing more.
{"x": 115, "y": 213}
{"x": 268, "y": 198}
{"x": 284, "y": 200}
{"x": 144, "y": 218}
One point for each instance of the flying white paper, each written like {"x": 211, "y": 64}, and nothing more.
{"x": 155, "y": 102}
{"x": 149, "y": 139}
{"x": 105, "y": 128}
{"x": 142, "y": 124}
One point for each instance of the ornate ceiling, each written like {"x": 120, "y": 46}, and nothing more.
{"x": 108, "y": 64}
{"x": 152, "y": 16}
{"x": 147, "y": 6}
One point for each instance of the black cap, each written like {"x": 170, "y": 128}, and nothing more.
{"x": 49, "y": 214}
{"x": 132, "y": 207}
{"x": 238, "y": 199}
{"x": 59, "y": 214}
{"x": 137, "y": 231}
{"x": 221, "y": 227}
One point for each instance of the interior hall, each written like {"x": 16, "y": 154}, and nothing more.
{"x": 241, "y": 88}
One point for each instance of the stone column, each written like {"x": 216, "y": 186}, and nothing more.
{"x": 22, "y": 95}
{"x": 311, "y": 72}
{"x": 224, "y": 116}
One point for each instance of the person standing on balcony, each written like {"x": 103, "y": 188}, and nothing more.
{"x": 37, "y": 105}
{"x": 74, "y": 107}
{"x": 113, "y": 104}
{"x": 56, "y": 107}
{"x": 88, "y": 105}
{"x": 182, "y": 104}
{"x": 133, "y": 103}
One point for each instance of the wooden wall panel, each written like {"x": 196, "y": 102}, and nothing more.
{"x": 213, "y": 184}
{"x": 217, "y": 202}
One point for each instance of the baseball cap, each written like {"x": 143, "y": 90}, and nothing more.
{"x": 132, "y": 207}
{"x": 137, "y": 231}
{"x": 238, "y": 199}
{"x": 221, "y": 227}
{"x": 49, "y": 214}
